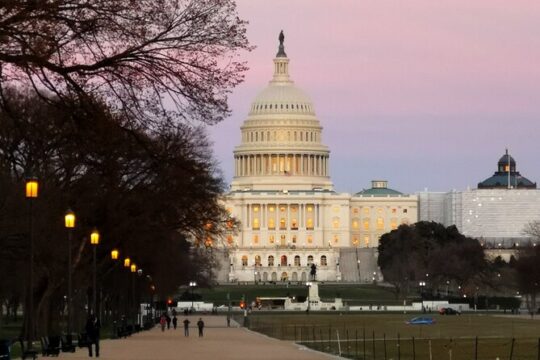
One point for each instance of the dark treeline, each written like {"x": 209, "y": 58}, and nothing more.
{"x": 146, "y": 193}
{"x": 435, "y": 259}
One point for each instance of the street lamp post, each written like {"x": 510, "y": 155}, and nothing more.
{"x": 137, "y": 295}
{"x": 133, "y": 270}
{"x": 192, "y": 285}
{"x": 127, "y": 264}
{"x": 32, "y": 188}
{"x": 94, "y": 241}
{"x": 114, "y": 257}
{"x": 69, "y": 222}
{"x": 422, "y": 285}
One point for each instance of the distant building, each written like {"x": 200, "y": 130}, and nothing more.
{"x": 506, "y": 176}
{"x": 496, "y": 213}
{"x": 283, "y": 196}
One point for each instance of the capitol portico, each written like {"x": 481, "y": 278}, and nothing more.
{"x": 283, "y": 197}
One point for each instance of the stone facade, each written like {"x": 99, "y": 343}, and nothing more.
{"x": 283, "y": 197}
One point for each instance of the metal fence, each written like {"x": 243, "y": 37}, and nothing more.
{"x": 367, "y": 345}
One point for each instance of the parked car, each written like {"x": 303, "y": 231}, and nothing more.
{"x": 449, "y": 311}
{"x": 421, "y": 321}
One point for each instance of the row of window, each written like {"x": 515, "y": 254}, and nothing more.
{"x": 366, "y": 223}
{"x": 302, "y": 107}
{"x": 309, "y": 240}
{"x": 380, "y": 211}
{"x": 283, "y": 261}
{"x": 255, "y": 136}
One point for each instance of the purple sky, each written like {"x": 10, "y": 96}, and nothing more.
{"x": 421, "y": 93}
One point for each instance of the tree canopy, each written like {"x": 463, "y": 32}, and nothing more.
{"x": 145, "y": 193}
{"x": 429, "y": 252}
{"x": 152, "y": 60}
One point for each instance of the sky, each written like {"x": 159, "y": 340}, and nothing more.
{"x": 422, "y": 93}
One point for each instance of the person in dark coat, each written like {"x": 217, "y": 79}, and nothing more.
{"x": 200, "y": 325}
{"x": 92, "y": 328}
{"x": 174, "y": 322}
{"x": 168, "y": 322}
{"x": 186, "y": 327}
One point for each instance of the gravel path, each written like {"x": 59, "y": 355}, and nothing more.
{"x": 218, "y": 343}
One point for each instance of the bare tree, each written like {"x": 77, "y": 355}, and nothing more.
{"x": 152, "y": 60}
{"x": 532, "y": 229}
{"x": 146, "y": 193}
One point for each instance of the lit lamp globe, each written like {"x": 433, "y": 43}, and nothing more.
{"x": 69, "y": 219}
{"x": 133, "y": 268}
{"x": 114, "y": 254}
{"x": 32, "y": 187}
{"x": 127, "y": 262}
{"x": 94, "y": 237}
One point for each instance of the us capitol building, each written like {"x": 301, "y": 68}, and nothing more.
{"x": 282, "y": 195}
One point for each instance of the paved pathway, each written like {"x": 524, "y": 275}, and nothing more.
{"x": 219, "y": 342}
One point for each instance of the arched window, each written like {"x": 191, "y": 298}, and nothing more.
{"x": 297, "y": 260}
{"x": 256, "y": 224}
{"x": 271, "y": 224}
{"x": 284, "y": 276}
{"x": 355, "y": 223}
{"x": 270, "y": 260}
{"x": 294, "y": 224}
{"x": 380, "y": 223}
{"x": 244, "y": 260}
{"x": 310, "y": 259}
{"x": 282, "y": 224}
{"x": 283, "y": 260}
{"x": 323, "y": 260}
{"x": 257, "y": 260}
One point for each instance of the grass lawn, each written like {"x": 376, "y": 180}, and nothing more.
{"x": 455, "y": 334}
{"x": 351, "y": 294}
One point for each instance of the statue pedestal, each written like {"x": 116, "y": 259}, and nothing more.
{"x": 314, "y": 291}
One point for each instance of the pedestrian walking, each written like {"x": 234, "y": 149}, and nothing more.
{"x": 186, "y": 327}
{"x": 174, "y": 322}
{"x": 200, "y": 325}
{"x": 228, "y": 320}
{"x": 92, "y": 331}
{"x": 163, "y": 322}
{"x": 168, "y": 322}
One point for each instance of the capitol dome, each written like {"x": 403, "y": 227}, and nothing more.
{"x": 281, "y": 147}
